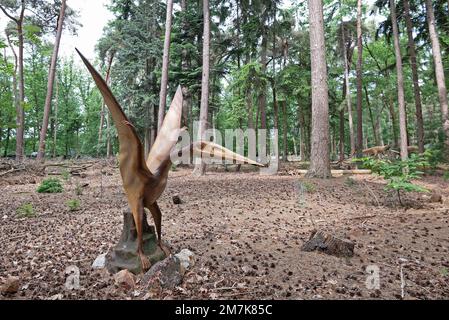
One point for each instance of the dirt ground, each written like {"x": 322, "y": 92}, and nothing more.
{"x": 245, "y": 229}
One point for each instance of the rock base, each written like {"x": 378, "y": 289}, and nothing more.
{"x": 124, "y": 254}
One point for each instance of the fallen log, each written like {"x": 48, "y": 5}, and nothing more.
{"x": 320, "y": 241}
{"x": 11, "y": 171}
{"x": 342, "y": 172}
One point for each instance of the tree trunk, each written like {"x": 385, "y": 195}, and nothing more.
{"x": 165, "y": 66}
{"x": 320, "y": 163}
{"x": 108, "y": 136}
{"x": 51, "y": 80}
{"x": 302, "y": 132}
{"x": 439, "y": 73}
{"x": 394, "y": 124}
{"x": 400, "y": 80}
{"x": 373, "y": 121}
{"x": 262, "y": 93}
{"x": 348, "y": 98}
{"x": 341, "y": 145}
{"x": 20, "y": 121}
{"x": 200, "y": 169}
{"x": 185, "y": 66}
{"x": 359, "y": 146}
{"x": 284, "y": 129}
{"x": 416, "y": 88}
{"x": 55, "y": 129}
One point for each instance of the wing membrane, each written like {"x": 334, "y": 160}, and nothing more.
{"x": 167, "y": 137}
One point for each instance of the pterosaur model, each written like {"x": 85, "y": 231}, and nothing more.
{"x": 143, "y": 181}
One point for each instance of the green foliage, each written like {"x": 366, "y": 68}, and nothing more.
{"x": 51, "y": 185}
{"x": 26, "y": 211}
{"x": 73, "y": 204}
{"x": 78, "y": 189}
{"x": 65, "y": 175}
{"x": 308, "y": 186}
{"x": 350, "y": 182}
{"x": 446, "y": 175}
{"x": 399, "y": 174}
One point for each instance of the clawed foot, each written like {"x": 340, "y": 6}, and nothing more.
{"x": 145, "y": 262}
{"x": 165, "y": 249}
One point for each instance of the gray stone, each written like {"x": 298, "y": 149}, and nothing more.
{"x": 99, "y": 262}
{"x": 186, "y": 259}
{"x": 166, "y": 273}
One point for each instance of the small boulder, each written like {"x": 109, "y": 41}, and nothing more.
{"x": 10, "y": 286}
{"x": 166, "y": 274}
{"x": 186, "y": 259}
{"x": 125, "y": 279}
{"x": 99, "y": 262}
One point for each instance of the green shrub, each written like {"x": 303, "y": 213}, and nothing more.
{"x": 51, "y": 185}
{"x": 73, "y": 204}
{"x": 399, "y": 174}
{"x": 78, "y": 189}
{"x": 308, "y": 186}
{"x": 66, "y": 175}
{"x": 26, "y": 211}
{"x": 350, "y": 182}
{"x": 446, "y": 175}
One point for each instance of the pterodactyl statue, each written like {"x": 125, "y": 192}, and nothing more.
{"x": 143, "y": 181}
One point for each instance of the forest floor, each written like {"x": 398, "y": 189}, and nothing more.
{"x": 245, "y": 229}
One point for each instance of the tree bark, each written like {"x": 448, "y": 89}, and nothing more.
{"x": 20, "y": 117}
{"x": 55, "y": 129}
{"x": 284, "y": 129}
{"x": 200, "y": 169}
{"x": 373, "y": 121}
{"x": 165, "y": 66}
{"x": 359, "y": 146}
{"x": 51, "y": 80}
{"x": 320, "y": 162}
{"x": 262, "y": 93}
{"x": 185, "y": 66}
{"x": 400, "y": 81}
{"x": 302, "y": 132}
{"x": 416, "y": 88}
{"x": 439, "y": 73}
{"x": 348, "y": 96}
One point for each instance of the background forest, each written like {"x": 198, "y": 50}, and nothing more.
{"x": 259, "y": 74}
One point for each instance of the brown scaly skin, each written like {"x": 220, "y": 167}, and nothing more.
{"x": 143, "y": 181}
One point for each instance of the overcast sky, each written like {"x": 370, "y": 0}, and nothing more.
{"x": 93, "y": 15}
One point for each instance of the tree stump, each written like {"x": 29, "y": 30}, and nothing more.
{"x": 124, "y": 254}
{"x": 329, "y": 244}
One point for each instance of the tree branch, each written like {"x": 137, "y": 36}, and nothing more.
{"x": 8, "y": 15}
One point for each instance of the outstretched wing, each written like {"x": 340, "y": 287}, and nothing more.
{"x": 131, "y": 151}
{"x": 202, "y": 148}
{"x": 167, "y": 137}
